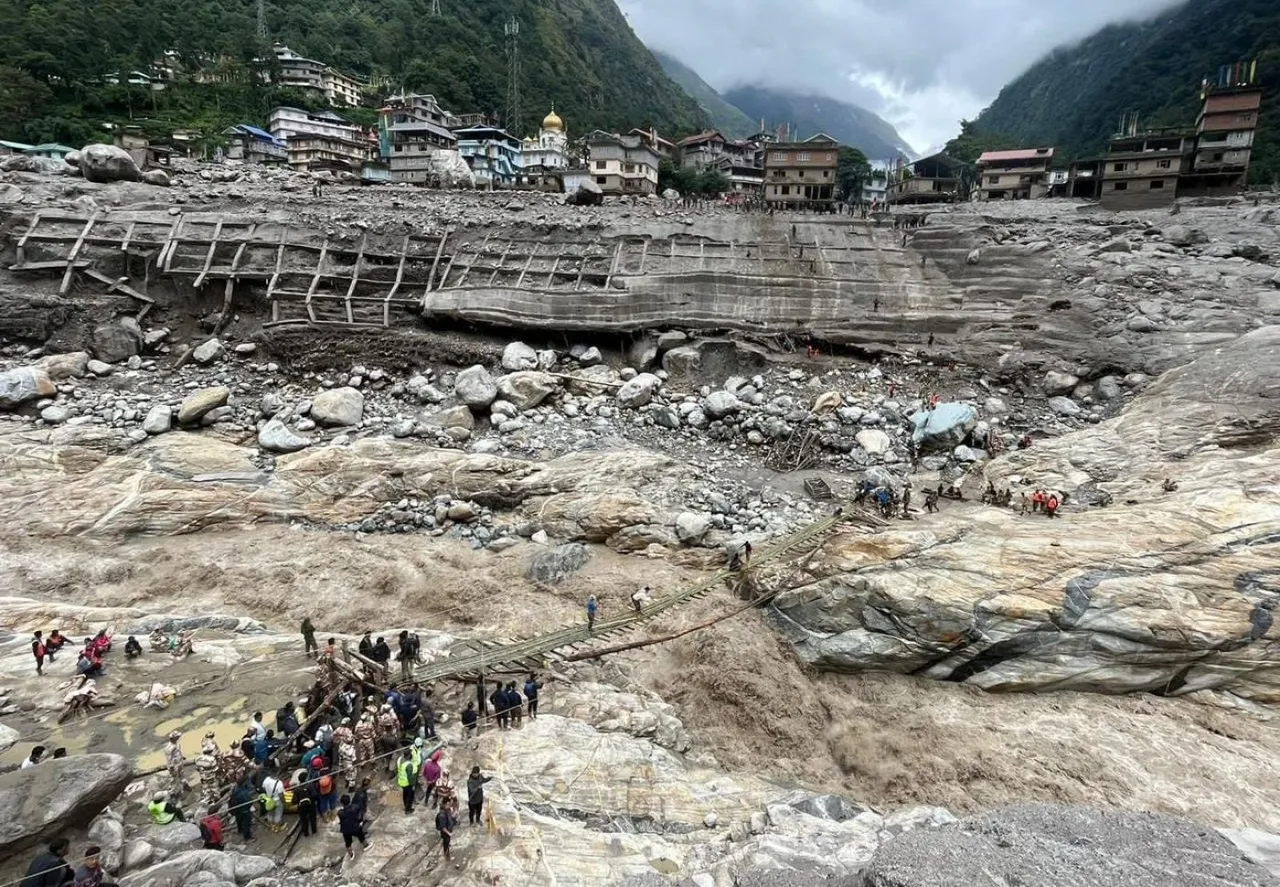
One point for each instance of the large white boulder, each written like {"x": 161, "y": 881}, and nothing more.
{"x": 338, "y": 406}
{"x": 107, "y": 163}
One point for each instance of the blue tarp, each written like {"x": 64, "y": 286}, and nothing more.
{"x": 261, "y": 134}
{"x": 947, "y": 422}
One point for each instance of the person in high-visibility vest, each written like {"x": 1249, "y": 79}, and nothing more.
{"x": 405, "y": 779}
{"x": 163, "y": 811}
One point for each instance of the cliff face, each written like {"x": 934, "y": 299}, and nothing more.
{"x": 1074, "y": 98}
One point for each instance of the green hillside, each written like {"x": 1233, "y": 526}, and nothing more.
{"x": 579, "y": 54}
{"x": 730, "y": 121}
{"x": 1075, "y": 97}
{"x": 809, "y": 114}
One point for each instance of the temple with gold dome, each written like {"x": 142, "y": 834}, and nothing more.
{"x": 546, "y": 156}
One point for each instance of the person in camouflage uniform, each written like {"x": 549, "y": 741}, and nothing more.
{"x": 175, "y": 760}
{"x": 365, "y": 733}
{"x": 389, "y": 733}
{"x": 344, "y": 741}
{"x": 210, "y": 775}
{"x": 233, "y": 765}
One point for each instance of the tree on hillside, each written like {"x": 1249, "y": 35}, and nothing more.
{"x": 691, "y": 182}
{"x": 972, "y": 143}
{"x": 853, "y": 170}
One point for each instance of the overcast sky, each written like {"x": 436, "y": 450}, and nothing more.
{"x": 920, "y": 64}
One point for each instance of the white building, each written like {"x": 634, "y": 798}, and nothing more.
{"x": 493, "y": 155}
{"x": 304, "y": 73}
{"x": 417, "y": 143}
{"x": 320, "y": 140}
{"x": 545, "y": 158}
{"x": 623, "y": 164}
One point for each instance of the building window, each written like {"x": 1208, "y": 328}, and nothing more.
{"x": 599, "y": 164}
{"x": 1217, "y": 157}
{"x": 630, "y": 167}
{"x": 1122, "y": 186}
{"x": 399, "y": 147}
{"x": 802, "y": 155}
{"x": 600, "y": 180}
{"x": 828, "y": 158}
{"x": 779, "y": 157}
{"x": 1163, "y": 164}
{"x": 1157, "y": 183}
{"x": 786, "y": 190}
{"x": 993, "y": 180}
{"x": 1119, "y": 167}
{"x": 826, "y": 173}
{"x": 802, "y": 173}
{"x": 779, "y": 174}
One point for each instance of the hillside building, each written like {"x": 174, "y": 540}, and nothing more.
{"x": 321, "y": 140}
{"x": 1141, "y": 169}
{"x": 304, "y": 73}
{"x": 1225, "y": 131}
{"x": 1022, "y": 174}
{"x": 623, "y": 164}
{"x": 702, "y": 150}
{"x": 493, "y": 155}
{"x": 664, "y": 147}
{"x": 416, "y": 140}
{"x": 938, "y": 178}
{"x": 253, "y": 145}
{"x": 545, "y": 158}
{"x": 801, "y": 174}
{"x": 875, "y": 189}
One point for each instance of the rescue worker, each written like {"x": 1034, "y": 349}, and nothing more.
{"x": 273, "y": 799}
{"x": 405, "y": 779}
{"x": 531, "y": 688}
{"x": 344, "y": 743}
{"x": 210, "y": 780}
{"x": 1051, "y": 504}
{"x": 175, "y": 760}
{"x": 242, "y": 808}
{"x": 365, "y": 734}
{"x": 309, "y": 636}
{"x": 163, "y": 811}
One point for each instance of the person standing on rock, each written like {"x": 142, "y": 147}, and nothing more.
{"x": 906, "y": 500}
{"x": 1051, "y": 505}
{"x": 445, "y": 824}
{"x": 39, "y": 651}
{"x": 592, "y": 607}
{"x": 431, "y": 771}
{"x": 481, "y": 699}
{"x": 309, "y": 636}
{"x": 344, "y": 743}
{"x": 207, "y": 767}
{"x": 50, "y": 869}
{"x": 242, "y": 808}
{"x": 366, "y": 646}
{"x": 306, "y": 796}
{"x": 175, "y": 760}
{"x": 351, "y": 825}
{"x": 515, "y": 706}
{"x": 405, "y": 779}
{"x": 273, "y": 800}
{"x": 531, "y": 688}
{"x": 475, "y": 795}
{"x": 366, "y": 735}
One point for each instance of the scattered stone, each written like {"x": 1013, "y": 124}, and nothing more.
{"x": 638, "y": 391}
{"x": 208, "y": 351}
{"x": 157, "y": 177}
{"x": 719, "y": 404}
{"x": 555, "y": 565}
{"x": 873, "y": 440}
{"x": 1109, "y": 388}
{"x": 1059, "y": 383}
{"x": 338, "y": 407}
{"x": 518, "y": 356}
{"x": 100, "y": 368}
{"x": 454, "y": 417}
{"x": 116, "y": 342}
{"x": 72, "y": 365}
{"x": 691, "y": 528}
{"x": 527, "y": 389}
{"x": 590, "y": 357}
{"x": 275, "y": 437}
{"x": 55, "y": 415}
{"x": 245, "y": 348}
{"x": 475, "y": 388}
{"x": 159, "y": 419}
{"x": 1064, "y": 406}
{"x": 17, "y": 386}
{"x": 197, "y": 405}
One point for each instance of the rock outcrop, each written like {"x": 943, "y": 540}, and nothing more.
{"x": 1166, "y": 592}
{"x": 41, "y": 802}
{"x": 108, "y": 163}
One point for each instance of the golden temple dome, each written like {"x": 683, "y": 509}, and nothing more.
{"x": 552, "y": 120}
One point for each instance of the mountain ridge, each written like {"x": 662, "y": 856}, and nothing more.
{"x": 810, "y": 113}
{"x": 724, "y": 116}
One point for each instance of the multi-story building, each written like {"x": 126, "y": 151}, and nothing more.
{"x": 493, "y": 155}
{"x": 702, "y": 150}
{"x": 938, "y": 178}
{"x": 623, "y": 164}
{"x": 744, "y": 178}
{"x": 304, "y": 73}
{"x": 253, "y": 145}
{"x": 320, "y": 140}
{"x": 651, "y": 138}
{"x": 544, "y": 159}
{"x": 801, "y": 174}
{"x": 1224, "y": 132}
{"x": 1142, "y": 168}
{"x": 1014, "y": 175}
{"x": 415, "y": 137}
{"x": 875, "y": 188}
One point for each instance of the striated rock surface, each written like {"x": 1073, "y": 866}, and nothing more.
{"x": 40, "y": 802}
{"x": 1167, "y": 592}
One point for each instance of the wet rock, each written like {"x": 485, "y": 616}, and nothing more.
{"x": 116, "y": 342}
{"x": 1109, "y": 388}
{"x": 518, "y": 356}
{"x": 72, "y": 365}
{"x": 101, "y": 368}
{"x": 173, "y": 837}
{"x": 421, "y": 388}
{"x": 462, "y": 512}
{"x": 108, "y": 163}
{"x": 275, "y": 437}
{"x": 558, "y": 564}
{"x": 1181, "y": 235}
{"x": 135, "y": 854}
{"x": 638, "y": 391}
{"x": 17, "y": 386}
{"x": 208, "y": 351}
{"x": 527, "y": 389}
{"x": 42, "y": 802}
{"x": 589, "y": 357}
{"x": 666, "y": 417}
{"x": 157, "y": 177}
{"x": 191, "y": 867}
{"x": 202, "y": 402}
{"x": 832, "y": 807}
{"x": 1056, "y": 382}
{"x": 475, "y": 387}
{"x": 643, "y": 352}
{"x": 1061, "y": 846}
{"x": 1117, "y": 245}
{"x": 159, "y": 419}
{"x": 454, "y": 417}
{"x": 338, "y": 407}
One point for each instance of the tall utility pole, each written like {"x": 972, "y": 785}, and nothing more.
{"x": 435, "y": 7}
{"x": 262, "y": 19}
{"x": 512, "y": 121}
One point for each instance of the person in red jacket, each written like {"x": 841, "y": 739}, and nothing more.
{"x": 211, "y": 831}
{"x": 1051, "y": 505}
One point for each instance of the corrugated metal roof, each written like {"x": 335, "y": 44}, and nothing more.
{"x": 1020, "y": 154}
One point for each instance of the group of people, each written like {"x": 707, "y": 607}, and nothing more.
{"x": 179, "y": 645}
{"x": 88, "y": 662}
{"x": 1045, "y": 502}
{"x": 508, "y": 705}
{"x": 51, "y": 868}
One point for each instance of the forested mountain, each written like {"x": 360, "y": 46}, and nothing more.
{"x": 1074, "y": 97}
{"x": 579, "y": 54}
{"x": 809, "y": 114}
{"x": 726, "y": 118}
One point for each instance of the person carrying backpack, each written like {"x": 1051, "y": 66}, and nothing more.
{"x": 38, "y": 650}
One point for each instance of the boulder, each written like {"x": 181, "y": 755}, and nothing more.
{"x": 691, "y": 528}
{"x": 643, "y": 352}
{"x": 108, "y": 163}
{"x": 556, "y": 565}
{"x": 173, "y": 837}
{"x": 1061, "y": 846}
{"x": 159, "y": 419}
{"x": 590, "y": 381}
{"x": 1181, "y": 235}
{"x": 8, "y": 738}
{"x": 588, "y": 194}
{"x": 454, "y": 417}
{"x": 944, "y": 426}
{"x": 873, "y": 440}
{"x": 638, "y": 391}
{"x": 72, "y": 365}
{"x": 116, "y": 342}
{"x": 17, "y": 386}
{"x": 55, "y": 415}
{"x": 1109, "y": 388}
{"x": 200, "y": 403}
{"x": 719, "y": 404}
{"x": 1116, "y": 245}
{"x": 527, "y": 389}
{"x": 461, "y": 512}
{"x": 204, "y": 867}
{"x": 101, "y": 368}
{"x": 275, "y": 437}
{"x": 208, "y": 351}
{"x": 156, "y": 177}
{"x": 338, "y": 407}
{"x": 518, "y": 356}
{"x": 590, "y": 357}
{"x": 475, "y": 387}
{"x": 1064, "y": 406}
{"x": 1059, "y": 383}
{"x": 42, "y": 802}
